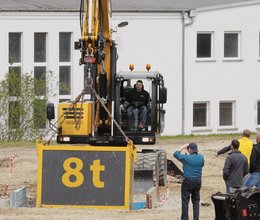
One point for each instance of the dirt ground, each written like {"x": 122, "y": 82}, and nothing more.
{"x": 25, "y": 174}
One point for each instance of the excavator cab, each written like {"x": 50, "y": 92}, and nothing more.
{"x": 154, "y": 124}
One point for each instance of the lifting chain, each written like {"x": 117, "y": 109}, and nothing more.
{"x": 102, "y": 103}
{"x": 78, "y": 115}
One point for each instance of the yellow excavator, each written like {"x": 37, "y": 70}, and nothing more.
{"x": 106, "y": 89}
{"x": 93, "y": 163}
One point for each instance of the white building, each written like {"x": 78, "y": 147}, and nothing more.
{"x": 207, "y": 51}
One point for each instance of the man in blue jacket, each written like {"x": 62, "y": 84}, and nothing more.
{"x": 192, "y": 168}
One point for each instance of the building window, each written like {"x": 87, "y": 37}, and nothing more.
{"x": 200, "y": 114}
{"x": 39, "y": 114}
{"x": 39, "y": 47}
{"x": 64, "y": 100}
{"x": 231, "y": 45}
{"x": 40, "y": 80}
{"x": 65, "y": 47}
{"x": 14, "y": 114}
{"x": 64, "y": 80}
{"x": 258, "y": 113}
{"x": 14, "y": 80}
{"x": 40, "y": 63}
{"x": 259, "y": 44}
{"x": 226, "y": 115}
{"x": 15, "y": 48}
{"x": 204, "y": 45}
{"x": 65, "y": 64}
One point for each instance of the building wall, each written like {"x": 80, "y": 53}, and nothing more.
{"x": 220, "y": 80}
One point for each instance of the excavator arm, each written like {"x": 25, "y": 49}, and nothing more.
{"x": 95, "y": 47}
{"x": 96, "y": 21}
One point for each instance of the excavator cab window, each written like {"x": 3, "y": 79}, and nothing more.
{"x": 135, "y": 115}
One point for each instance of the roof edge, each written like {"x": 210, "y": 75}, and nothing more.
{"x": 150, "y": 11}
{"x": 39, "y": 10}
{"x": 231, "y": 5}
{"x": 113, "y": 10}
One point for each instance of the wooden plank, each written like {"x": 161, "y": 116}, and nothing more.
{"x": 152, "y": 196}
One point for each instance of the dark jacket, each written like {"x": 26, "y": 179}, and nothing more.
{"x": 224, "y": 150}
{"x": 235, "y": 168}
{"x": 255, "y": 159}
{"x": 141, "y": 97}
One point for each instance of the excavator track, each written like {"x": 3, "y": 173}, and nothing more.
{"x": 150, "y": 169}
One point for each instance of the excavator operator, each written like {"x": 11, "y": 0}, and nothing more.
{"x": 138, "y": 98}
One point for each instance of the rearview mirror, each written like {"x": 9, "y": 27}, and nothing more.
{"x": 50, "y": 111}
{"x": 163, "y": 95}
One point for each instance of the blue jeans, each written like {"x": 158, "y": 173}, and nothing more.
{"x": 190, "y": 187}
{"x": 142, "y": 113}
{"x": 254, "y": 180}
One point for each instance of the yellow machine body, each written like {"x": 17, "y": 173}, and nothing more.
{"x": 75, "y": 120}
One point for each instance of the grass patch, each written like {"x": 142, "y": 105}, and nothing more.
{"x": 192, "y": 136}
{"x": 16, "y": 143}
{"x": 176, "y": 137}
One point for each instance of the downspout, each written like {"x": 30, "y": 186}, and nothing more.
{"x": 188, "y": 18}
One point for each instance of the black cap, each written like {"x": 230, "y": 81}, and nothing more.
{"x": 193, "y": 147}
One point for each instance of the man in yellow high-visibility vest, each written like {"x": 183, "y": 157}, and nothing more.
{"x": 245, "y": 146}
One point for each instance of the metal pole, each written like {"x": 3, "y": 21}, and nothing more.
{"x": 183, "y": 77}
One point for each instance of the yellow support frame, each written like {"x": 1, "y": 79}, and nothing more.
{"x": 130, "y": 153}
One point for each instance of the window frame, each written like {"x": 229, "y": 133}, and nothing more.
{"x": 39, "y": 117}
{"x": 233, "y": 125}
{"x": 207, "y": 122}
{"x": 41, "y": 64}
{"x": 212, "y": 48}
{"x": 13, "y": 98}
{"x": 259, "y": 46}
{"x": 70, "y": 47}
{"x": 238, "y": 58}
{"x": 66, "y": 64}
{"x": 44, "y": 80}
{"x": 13, "y": 121}
{"x": 21, "y": 49}
{"x": 65, "y": 95}
{"x": 258, "y": 113}
{"x": 18, "y": 85}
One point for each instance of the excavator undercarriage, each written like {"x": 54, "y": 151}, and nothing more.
{"x": 243, "y": 204}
